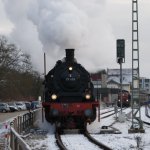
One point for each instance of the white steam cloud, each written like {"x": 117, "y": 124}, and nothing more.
{"x": 53, "y": 25}
{"x": 60, "y": 24}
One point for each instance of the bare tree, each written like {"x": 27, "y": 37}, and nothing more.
{"x": 26, "y": 65}
{"x": 17, "y": 77}
{"x": 9, "y": 54}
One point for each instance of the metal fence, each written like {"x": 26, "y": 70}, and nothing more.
{"x": 24, "y": 122}
{"x": 17, "y": 126}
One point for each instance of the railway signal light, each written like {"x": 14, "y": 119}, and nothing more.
{"x": 120, "y": 51}
{"x": 120, "y": 60}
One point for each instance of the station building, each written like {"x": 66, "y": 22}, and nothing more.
{"x": 107, "y": 84}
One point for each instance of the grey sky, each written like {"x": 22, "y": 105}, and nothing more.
{"x": 90, "y": 26}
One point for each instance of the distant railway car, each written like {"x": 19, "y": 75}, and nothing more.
{"x": 126, "y": 98}
{"x": 68, "y": 93}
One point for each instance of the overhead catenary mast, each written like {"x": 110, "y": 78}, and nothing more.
{"x": 137, "y": 125}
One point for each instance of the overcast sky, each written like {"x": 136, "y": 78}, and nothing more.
{"x": 90, "y": 26}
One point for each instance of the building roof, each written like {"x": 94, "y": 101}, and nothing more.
{"x": 97, "y": 75}
{"x": 114, "y": 74}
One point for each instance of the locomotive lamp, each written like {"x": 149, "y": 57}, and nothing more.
{"x": 54, "y": 96}
{"x": 70, "y": 68}
{"x": 87, "y": 96}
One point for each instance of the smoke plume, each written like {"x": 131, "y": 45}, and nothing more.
{"x": 53, "y": 25}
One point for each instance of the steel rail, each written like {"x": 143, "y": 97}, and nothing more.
{"x": 59, "y": 141}
{"x": 99, "y": 144}
{"x": 110, "y": 114}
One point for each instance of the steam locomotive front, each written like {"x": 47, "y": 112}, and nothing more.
{"x": 68, "y": 94}
{"x": 71, "y": 82}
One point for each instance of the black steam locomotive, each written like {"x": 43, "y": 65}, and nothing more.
{"x": 69, "y": 100}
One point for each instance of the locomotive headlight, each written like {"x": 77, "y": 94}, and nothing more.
{"x": 54, "y": 96}
{"x": 87, "y": 96}
{"x": 127, "y": 100}
{"x": 70, "y": 68}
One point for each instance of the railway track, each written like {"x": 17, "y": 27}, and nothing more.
{"x": 99, "y": 144}
{"x": 89, "y": 137}
{"x": 59, "y": 141}
{"x": 109, "y": 113}
{"x": 94, "y": 142}
{"x": 147, "y": 115}
{"x": 67, "y": 142}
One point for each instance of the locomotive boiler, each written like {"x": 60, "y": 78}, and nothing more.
{"x": 69, "y": 101}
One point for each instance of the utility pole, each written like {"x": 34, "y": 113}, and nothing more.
{"x": 137, "y": 124}
{"x": 44, "y": 64}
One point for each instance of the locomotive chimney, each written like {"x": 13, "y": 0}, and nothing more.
{"x": 70, "y": 55}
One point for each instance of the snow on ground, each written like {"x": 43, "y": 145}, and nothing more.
{"x": 78, "y": 142}
{"x": 123, "y": 141}
{"x": 42, "y": 141}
